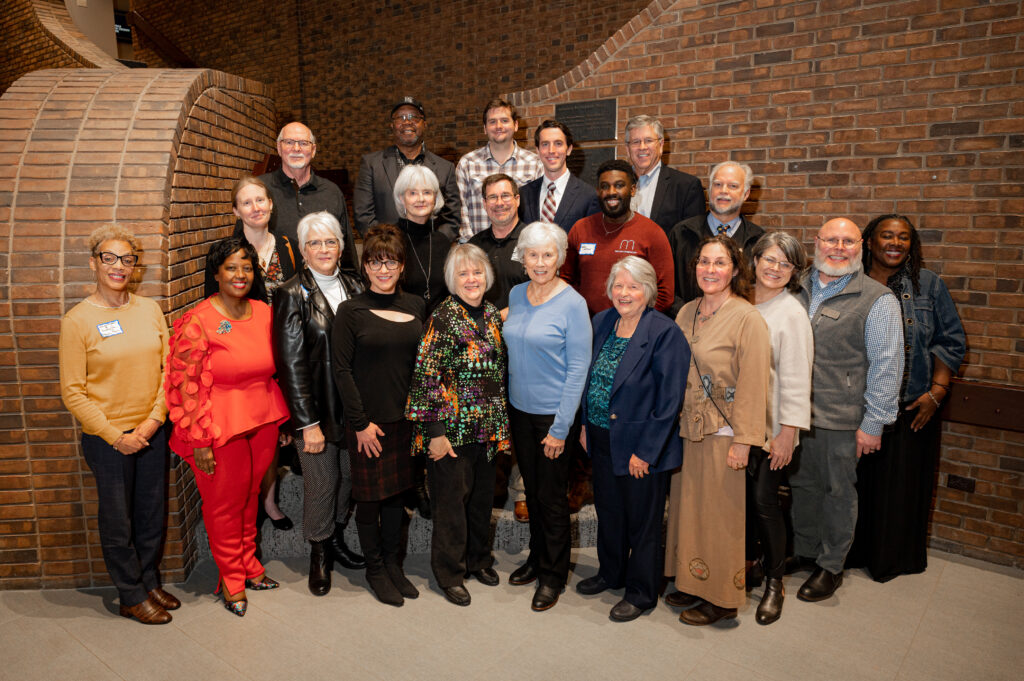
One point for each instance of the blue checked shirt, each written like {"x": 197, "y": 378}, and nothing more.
{"x": 883, "y": 342}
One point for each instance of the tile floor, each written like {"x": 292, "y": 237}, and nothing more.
{"x": 960, "y": 620}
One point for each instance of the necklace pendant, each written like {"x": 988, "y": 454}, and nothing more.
{"x": 426, "y": 295}
{"x": 224, "y": 327}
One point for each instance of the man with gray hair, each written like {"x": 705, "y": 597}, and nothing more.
{"x": 663, "y": 194}
{"x": 297, "y": 191}
{"x": 728, "y": 187}
{"x": 855, "y": 385}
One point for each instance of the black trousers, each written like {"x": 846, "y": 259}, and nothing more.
{"x": 132, "y": 495}
{"x": 767, "y": 523}
{"x": 546, "y": 481}
{"x": 461, "y": 496}
{"x": 630, "y": 512}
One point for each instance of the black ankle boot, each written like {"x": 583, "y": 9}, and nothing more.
{"x": 342, "y": 554}
{"x": 770, "y": 608}
{"x": 376, "y": 575}
{"x": 319, "y": 568}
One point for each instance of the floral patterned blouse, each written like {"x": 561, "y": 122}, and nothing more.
{"x": 459, "y": 379}
{"x": 602, "y": 377}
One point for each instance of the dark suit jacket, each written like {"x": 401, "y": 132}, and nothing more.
{"x": 647, "y": 392}
{"x": 373, "y": 200}
{"x": 302, "y": 352}
{"x": 677, "y": 196}
{"x": 578, "y": 201}
{"x": 684, "y": 240}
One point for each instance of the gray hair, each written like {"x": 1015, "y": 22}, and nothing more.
{"x": 412, "y": 177}
{"x": 539, "y": 234}
{"x": 641, "y": 271}
{"x": 280, "y": 135}
{"x": 748, "y": 174}
{"x": 461, "y": 253}
{"x": 321, "y": 221}
{"x": 642, "y": 120}
{"x": 790, "y": 247}
{"x": 112, "y": 232}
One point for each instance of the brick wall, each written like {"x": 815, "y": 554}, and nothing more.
{"x": 339, "y": 66}
{"x": 39, "y": 34}
{"x": 857, "y": 108}
{"x": 157, "y": 151}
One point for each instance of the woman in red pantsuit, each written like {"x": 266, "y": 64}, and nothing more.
{"x": 226, "y": 408}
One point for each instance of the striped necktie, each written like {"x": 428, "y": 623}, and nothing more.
{"x": 548, "y": 210}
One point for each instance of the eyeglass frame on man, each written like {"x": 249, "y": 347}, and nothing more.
{"x": 301, "y": 144}
{"x": 834, "y": 241}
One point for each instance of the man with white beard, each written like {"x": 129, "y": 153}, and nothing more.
{"x": 297, "y": 191}
{"x": 858, "y": 370}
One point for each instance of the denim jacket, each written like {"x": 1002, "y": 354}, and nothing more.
{"x": 931, "y": 326}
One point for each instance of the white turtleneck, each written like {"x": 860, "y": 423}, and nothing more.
{"x": 330, "y": 286}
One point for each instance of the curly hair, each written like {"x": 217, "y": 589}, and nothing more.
{"x": 740, "y": 284}
{"x": 224, "y": 249}
{"x": 915, "y": 259}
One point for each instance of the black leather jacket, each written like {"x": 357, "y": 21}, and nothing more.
{"x": 302, "y": 352}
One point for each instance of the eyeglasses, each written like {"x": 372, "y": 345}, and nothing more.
{"x": 376, "y": 265}
{"x": 783, "y": 265}
{"x": 301, "y": 144}
{"x": 407, "y": 117}
{"x": 504, "y": 198}
{"x": 646, "y": 141}
{"x": 325, "y": 244}
{"x": 832, "y": 242}
{"x": 108, "y": 258}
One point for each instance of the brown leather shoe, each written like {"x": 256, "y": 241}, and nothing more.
{"x": 521, "y": 512}
{"x": 146, "y": 612}
{"x": 163, "y": 599}
{"x": 705, "y": 614}
{"x": 681, "y": 599}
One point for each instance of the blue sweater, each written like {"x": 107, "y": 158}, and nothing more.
{"x": 548, "y": 355}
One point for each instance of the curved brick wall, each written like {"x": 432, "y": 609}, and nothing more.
{"x": 157, "y": 150}
{"x": 853, "y": 108}
{"x": 39, "y": 34}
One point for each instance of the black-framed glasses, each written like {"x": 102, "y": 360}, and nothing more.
{"x": 108, "y": 258}
{"x": 376, "y": 265}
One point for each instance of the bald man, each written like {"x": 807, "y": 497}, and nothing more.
{"x": 297, "y": 191}
{"x": 858, "y": 369}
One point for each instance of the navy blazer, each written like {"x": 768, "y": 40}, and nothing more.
{"x": 578, "y": 201}
{"x": 373, "y": 199}
{"x": 647, "y": 393}
{"x": 677, "y": 196}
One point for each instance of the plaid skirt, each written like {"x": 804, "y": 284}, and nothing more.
{"x": 375, "y": 478}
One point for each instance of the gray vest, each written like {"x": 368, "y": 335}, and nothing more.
{"x": 840, "y": 358}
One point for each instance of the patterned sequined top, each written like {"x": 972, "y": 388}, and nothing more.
{"x": 459, "y": 379}
{"x": 602, "y": 377}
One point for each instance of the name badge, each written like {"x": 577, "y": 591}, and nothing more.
{"x": 588, "y": 249}
{"x": 108, "y": 329}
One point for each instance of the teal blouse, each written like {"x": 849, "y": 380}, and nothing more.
{"x": 602, "y": 376}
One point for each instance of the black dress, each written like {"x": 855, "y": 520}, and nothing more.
{"x": 373, "y": 362}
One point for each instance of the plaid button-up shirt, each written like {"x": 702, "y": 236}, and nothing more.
{"x": 523, "y": 165}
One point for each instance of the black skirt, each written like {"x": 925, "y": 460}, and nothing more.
{"x": 375, "y": 478}
{"x": 895, "y": 486}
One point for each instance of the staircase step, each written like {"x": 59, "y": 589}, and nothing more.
{"x": 509, "y": 535}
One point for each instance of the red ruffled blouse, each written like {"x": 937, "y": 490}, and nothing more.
{"x": 220, "y": 377}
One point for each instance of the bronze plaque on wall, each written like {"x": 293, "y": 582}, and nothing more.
{"x": 584, "y": 162}
{"x": 589, "y": 121}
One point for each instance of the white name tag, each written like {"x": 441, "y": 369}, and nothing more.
{"x": 588, "y": 249}
{"x": 109, "y": 329}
